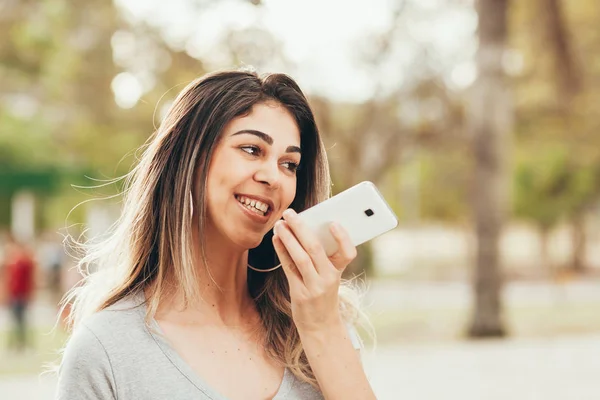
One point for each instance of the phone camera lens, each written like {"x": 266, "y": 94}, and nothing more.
{"x": 369, "y": 212}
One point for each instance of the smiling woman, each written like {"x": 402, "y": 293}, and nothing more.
{"x": 177, "y": 305}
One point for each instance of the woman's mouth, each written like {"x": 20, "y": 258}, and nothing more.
{"x": 253, "y": 205}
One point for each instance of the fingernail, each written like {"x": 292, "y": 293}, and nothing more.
{"x": 335, "y": 227}
{"x": 289, "y": 213}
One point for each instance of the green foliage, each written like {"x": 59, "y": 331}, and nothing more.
{"x": 552, "y": 185}
{"x": 58, "y": 118}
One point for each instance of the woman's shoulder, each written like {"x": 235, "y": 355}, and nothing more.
{"x": 103, "y": 351}
{"x": 116, "y": 326}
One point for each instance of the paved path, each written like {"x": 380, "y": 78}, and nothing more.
{"x": 541, "y": 369}
{"x": 560, "y": 369}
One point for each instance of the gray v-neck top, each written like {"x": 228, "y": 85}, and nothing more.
{"x": 114, "y": 354}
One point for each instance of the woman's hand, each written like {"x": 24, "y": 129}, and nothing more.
{"x": 314, "y": 278}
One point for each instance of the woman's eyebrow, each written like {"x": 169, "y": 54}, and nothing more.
{"x": 266, "y": 138}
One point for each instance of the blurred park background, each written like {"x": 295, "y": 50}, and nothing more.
{"x": 478, "y": 120}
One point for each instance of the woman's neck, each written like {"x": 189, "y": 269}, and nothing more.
{"x": 222, "y": 283}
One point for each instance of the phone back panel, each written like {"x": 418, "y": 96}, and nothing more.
{"x": 349, "y": 209}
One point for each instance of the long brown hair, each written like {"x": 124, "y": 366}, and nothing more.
{"x": 149, "y": 248}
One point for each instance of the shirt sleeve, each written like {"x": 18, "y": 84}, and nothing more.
{"x": 85, "y": 372}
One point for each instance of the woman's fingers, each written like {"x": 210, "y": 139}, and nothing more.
{"x": 307, "y": 239}
{"x": 314, "y": 278}
{"x": 346, "y": 250}
{"x": 287, "y": 264}
{"x": 298, "y": 255}
{"x": 310, "y": 243}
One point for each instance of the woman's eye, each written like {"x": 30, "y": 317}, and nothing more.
{"x": 252, "y": 150}
{"x": 292, "y": 166}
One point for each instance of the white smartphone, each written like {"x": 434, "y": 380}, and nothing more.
{"x": 361, "y": 211}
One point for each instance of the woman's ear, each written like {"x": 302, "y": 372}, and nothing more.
{"x": 263, "y": 256}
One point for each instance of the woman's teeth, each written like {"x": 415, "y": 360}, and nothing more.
{"x": 253, "y": 205}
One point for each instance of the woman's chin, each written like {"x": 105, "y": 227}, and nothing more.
{"x": 249, "y": 243}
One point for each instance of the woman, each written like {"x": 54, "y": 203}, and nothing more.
{"x": 186, "y": 302}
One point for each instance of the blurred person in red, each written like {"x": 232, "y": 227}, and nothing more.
{"x": 19, "y": 278}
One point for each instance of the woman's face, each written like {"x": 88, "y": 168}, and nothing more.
{"x": 252, "y": 175}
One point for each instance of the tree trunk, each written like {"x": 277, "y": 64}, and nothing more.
{"x": 490, "y": 124}
{"x": 559, "y": 41}
{"x": 579, "y": 242}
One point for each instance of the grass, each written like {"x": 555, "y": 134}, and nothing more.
{"x": 46, "y": 345}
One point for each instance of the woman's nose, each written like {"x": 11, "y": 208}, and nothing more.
{"x": 268, "y": 173}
